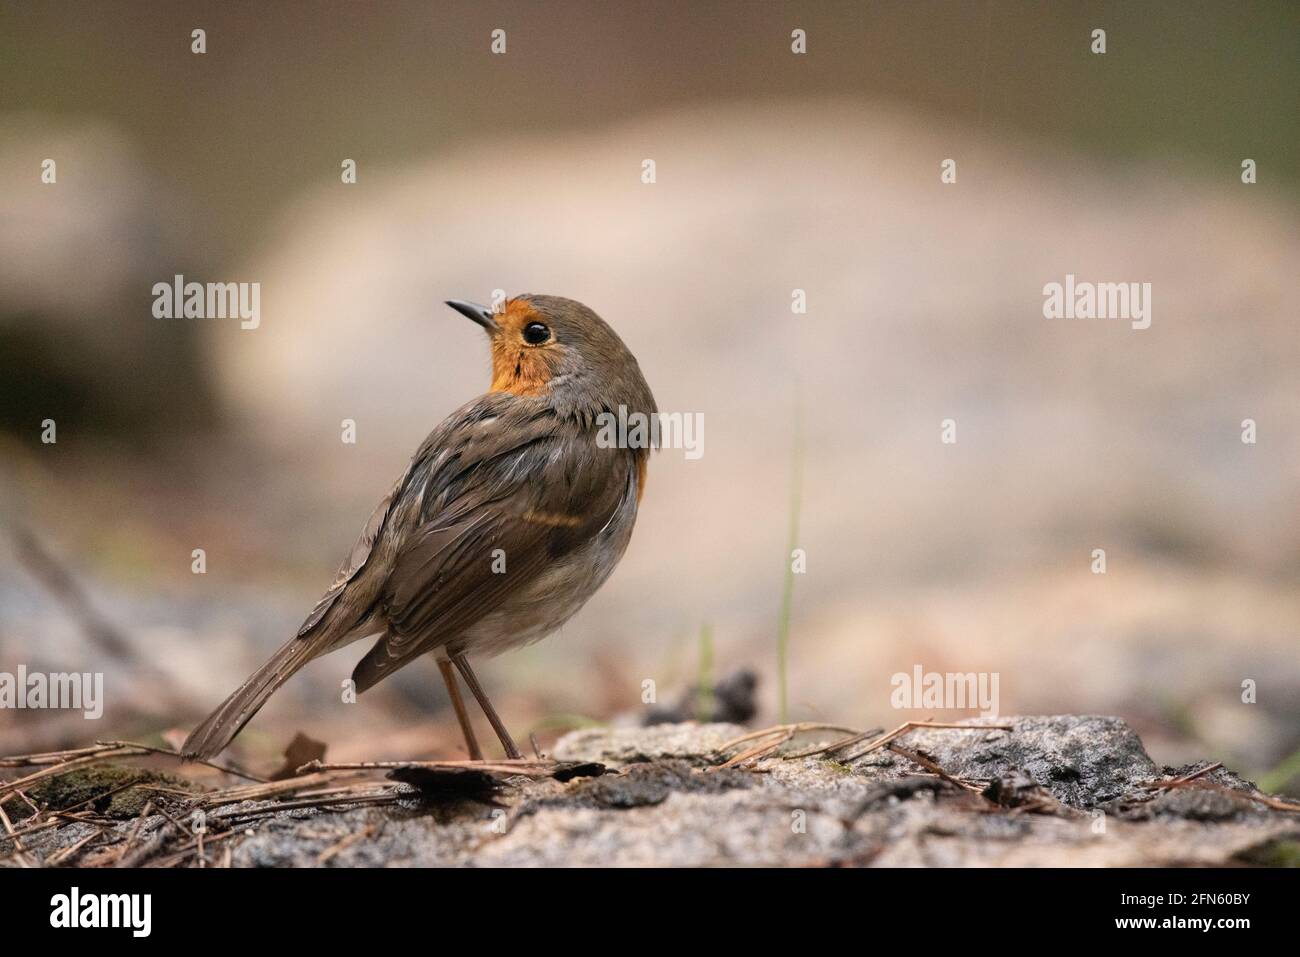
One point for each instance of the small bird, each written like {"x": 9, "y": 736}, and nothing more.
{"x": 510, "y": 516}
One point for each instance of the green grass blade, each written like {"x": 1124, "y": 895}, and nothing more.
{"x": 787, "y": 589}
{"x": 704, "y": 679}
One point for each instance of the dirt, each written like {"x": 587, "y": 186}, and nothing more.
{"x": 1060, "y": 790}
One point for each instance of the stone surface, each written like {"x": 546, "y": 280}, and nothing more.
{"x": 689, "y": 742}
{"x": 1066, "y": 790}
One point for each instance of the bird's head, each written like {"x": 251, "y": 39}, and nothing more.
{"x": 547, "y": 346}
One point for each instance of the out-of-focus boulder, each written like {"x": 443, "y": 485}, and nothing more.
{"x": 78, "y": 260}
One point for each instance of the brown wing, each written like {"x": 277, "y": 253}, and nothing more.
{"x": 456, "y": 444}
{"x": 531, "y": 485}
{"x": 355, "y": 561}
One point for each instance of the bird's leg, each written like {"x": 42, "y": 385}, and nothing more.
{"x": 476, "y": 689}
{"x": 458, "y": 703}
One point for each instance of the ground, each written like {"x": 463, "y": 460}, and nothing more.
{"x": 1062, "y": 790}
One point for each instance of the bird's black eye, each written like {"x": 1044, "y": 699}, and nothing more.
{"x": 535, "y": 333}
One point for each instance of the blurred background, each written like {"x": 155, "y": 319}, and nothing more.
{"x": 774, "y": 172}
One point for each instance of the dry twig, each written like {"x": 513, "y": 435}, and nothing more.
{"x": 909, "y": 726}
{"x": 933, "y": 768}
{"x": 771, "y": 739}
{"x": 331, "y": 852}
{"x": 19, "y": 853}
{"x": 53, "y": 769}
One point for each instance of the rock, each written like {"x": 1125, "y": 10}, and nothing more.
{"x": 731, "y": 701}
{"x": 1052, "y": 791}
{"x": 689, "y": 741}
{"x": 1082, "y": 760}
{"x": 645, "y": 785}
{"x": 78, "y": 261}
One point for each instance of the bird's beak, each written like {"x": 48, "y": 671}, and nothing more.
{"x": 480, "y": 314}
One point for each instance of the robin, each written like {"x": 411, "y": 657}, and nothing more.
{"x": 510, "y": 516}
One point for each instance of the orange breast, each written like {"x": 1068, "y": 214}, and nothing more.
{"x": 516, "y": 368}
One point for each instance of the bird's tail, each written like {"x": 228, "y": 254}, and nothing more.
{"x": 220, "y": 727}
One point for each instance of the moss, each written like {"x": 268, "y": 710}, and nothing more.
{"x": 1280, "y": 853}
{"x": 108, "y": 789}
